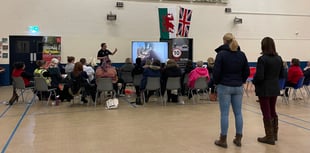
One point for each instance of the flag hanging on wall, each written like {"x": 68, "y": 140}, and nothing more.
{"x": 185, "y": 16}
{"x": 167, "y": 22}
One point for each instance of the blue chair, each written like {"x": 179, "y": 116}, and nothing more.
{"x": 282, "y": 89}
{"x": 306, "y": 86}
{"x": 298, "y": 86}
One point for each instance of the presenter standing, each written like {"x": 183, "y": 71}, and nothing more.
{"x": 104, "y": 53}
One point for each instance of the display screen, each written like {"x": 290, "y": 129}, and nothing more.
{"x": 149, "y": 50}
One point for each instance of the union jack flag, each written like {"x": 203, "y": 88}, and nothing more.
{"x": 185, "y": 16}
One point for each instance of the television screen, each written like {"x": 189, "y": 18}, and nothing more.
{"x": 149, "y": 50}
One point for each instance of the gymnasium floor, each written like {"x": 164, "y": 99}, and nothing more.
{"x": 153, "y": 128}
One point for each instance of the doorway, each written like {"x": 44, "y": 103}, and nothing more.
{"x": 27, "y": 49}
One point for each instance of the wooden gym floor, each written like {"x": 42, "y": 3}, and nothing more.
{"x": 153, "y": 128}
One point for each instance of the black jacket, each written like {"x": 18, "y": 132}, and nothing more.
{"x": 307, "y": 76}
{"x": 231, "y": 67}
{"x": 268, "y": 72}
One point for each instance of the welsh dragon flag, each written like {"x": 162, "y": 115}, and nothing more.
{"x": 167, "y": 22}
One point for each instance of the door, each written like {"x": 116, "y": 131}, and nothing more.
{"x": 27, "y": 49}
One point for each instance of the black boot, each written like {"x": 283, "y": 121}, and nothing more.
{"x": 275, "y": 128}
{"x": 138, "y": 101}
{"x": 13, "y": 98}
{"x": 237, "y": 140}
{"x": 269, "y": 138}
{"x": 84, "y": 100}
{"x": 222, "y": 142}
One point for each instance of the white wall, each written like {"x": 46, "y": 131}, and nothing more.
{"x": 83, "y": 25}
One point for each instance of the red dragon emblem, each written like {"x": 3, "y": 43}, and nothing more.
{"x": 168, "y": 23}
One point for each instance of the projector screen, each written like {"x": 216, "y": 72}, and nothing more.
{"x": 149, "y": 50}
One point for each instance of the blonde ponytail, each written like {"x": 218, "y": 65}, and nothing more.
{"x": 234, "y": 45}
{"x": 230, "y": 39}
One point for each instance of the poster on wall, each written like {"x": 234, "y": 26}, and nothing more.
{"x": 51, "y": 48}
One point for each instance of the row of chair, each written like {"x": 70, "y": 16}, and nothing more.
{"x": 105, "y": 85}
{"x": 40, "y": 86}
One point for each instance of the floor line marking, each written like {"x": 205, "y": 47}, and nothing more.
{"x": 7, "y": 108}
{"x": 17, "y": 125}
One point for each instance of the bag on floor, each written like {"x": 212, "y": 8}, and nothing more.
{"x": 213, "y": 97}
{"x": 112, "y": 103}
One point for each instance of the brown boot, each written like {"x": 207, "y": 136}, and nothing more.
{"x": 275, "y": 128}
{"x": 269, "y": 138}
{"x": 237, "y": 140}
{"x": 222, "y": 142}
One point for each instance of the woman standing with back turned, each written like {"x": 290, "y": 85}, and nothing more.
{"x": 266, "y": 80}
{"x": 230, "y": 72}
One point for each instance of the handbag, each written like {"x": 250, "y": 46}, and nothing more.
{"x": 213, "y": 97}
{"x": 112, "y": 103}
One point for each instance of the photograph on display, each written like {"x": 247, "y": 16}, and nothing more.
{"x": 5, "y": 55}
{"x": 147, "y": 50}
{"x": 4, "y": 40}
{"x": 5, "y": 47}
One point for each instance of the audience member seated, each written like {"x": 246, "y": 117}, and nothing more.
{"x": 188, "y": 68}
{"x": 196, "y": 73}
{"x": 127, "y": 67}
{"x": 70, "y": 65}
{"x": 152, "y": 70}
{"x": 137, "y": 70}
{"x": 294, "y": 74}
{"x": 171, "y": 70}
{"x": 211, "y": 85}
{"x": 42, "y": 72}
{"x": 19, "y": 71}
{"x": 106, "y": 70}
{"x": 285, "y": 70}
{"x": 89, "y": 71}
{"x": 55, "y": 74}
{"x": 307, "y": 74}
{"x": 77, "y": 80}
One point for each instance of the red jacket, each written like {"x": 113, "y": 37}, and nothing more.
{"x": 18, "y": 73}
{"x": 294, "y": 74}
